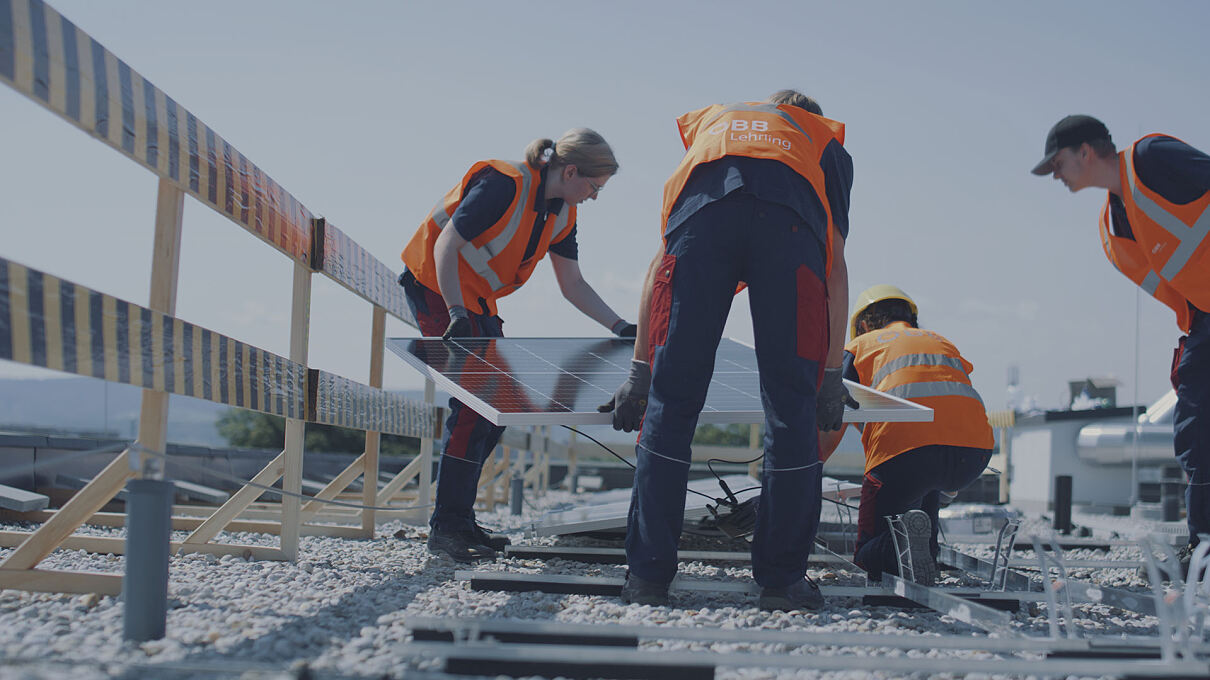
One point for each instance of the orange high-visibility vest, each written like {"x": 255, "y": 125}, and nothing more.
{"x": 1170, "y": 257}
{"x": 757, "y": 130}
{"x": 490, "y": 266}
{"x": 1127, "y": 257}
{"x": 923, "y": 367}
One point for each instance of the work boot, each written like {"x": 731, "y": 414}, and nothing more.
{"x": 494, "y": 541}
{"x": 1184, "y": 557}
{"x": 919, "y": 533}
{"x": 639, "y": 591}
{"x": 802, "y": 595}
{"x": 460, "y": 546}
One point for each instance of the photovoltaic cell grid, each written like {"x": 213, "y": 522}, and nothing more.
{"x": 550, "y": 381}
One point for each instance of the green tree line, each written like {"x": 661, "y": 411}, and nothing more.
{"x": 255, "y": 430}
{"x": 727, "y": 435}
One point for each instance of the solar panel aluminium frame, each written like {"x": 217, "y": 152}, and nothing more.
{"x": 876, "y": 406}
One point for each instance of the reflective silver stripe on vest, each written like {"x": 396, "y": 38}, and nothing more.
{"x": 935, "y": 389}
{"x": 479, "y": 258}
{"x": 920, "y": 359}
{"x": 561, "y": 220}
{"x": 1150, "y": 283}
{"x": 764, "y": 108}
{"x": 439, "y": 215}
{"x": 1188, "y": 238}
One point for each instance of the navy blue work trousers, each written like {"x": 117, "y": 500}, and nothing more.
{"x": 1191, "y": 424}
{"x": 469, "y": 438}
{"x": 911, "y": 480}
{"x": 768, "y": 246}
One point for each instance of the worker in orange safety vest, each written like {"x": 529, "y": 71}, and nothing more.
{"x": 761, "y": 198}
{"x": 1155, "y": 229}
{"x": 480, "y": 243}
{"x": 908, "y": 465}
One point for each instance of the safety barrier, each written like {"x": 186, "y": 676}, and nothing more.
{"x": 62, "y": 325}
{"x": 1002, "y": 459}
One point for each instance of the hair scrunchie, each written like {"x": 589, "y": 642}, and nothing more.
{"x": 547, "y": 154}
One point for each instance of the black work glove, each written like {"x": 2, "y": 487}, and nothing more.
{"x": 460, "y": 324}
{"x": 629, "y": 403}
{"x": 624, "y": 329}
{"x": 831, "y": 400}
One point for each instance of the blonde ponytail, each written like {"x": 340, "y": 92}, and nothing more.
{"x": 539, "y": 152}
{"x": 581, "y": 147}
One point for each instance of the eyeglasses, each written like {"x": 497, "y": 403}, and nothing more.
{"x": 596, "y": 188}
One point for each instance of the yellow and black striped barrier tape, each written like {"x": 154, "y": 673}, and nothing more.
{"x": 350, "y": 265}
{"x": 47, "y": 58}
{"x": 345, "y": 403}
{"x": 56, "y": 324}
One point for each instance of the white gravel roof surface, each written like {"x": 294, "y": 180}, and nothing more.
{"x": 340, "y": 610}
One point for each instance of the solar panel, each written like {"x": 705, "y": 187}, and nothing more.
{"x": 561, "y": 381}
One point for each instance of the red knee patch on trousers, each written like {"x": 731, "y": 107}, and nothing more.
{"x": 812, "y": 315}
{"x": 1174, "y": 376}
{"x": 436, "y": 319}
{"x": 461, "y": 434}
{"x": 661, "y": 305}
{"x": 867, "y": 515}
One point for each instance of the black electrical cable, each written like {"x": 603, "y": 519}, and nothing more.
{"x": 709, "y": 465}
{"x": 615, "y": 455}
{"x": 733, "y": 501}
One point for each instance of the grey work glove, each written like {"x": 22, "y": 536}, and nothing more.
{"x": 831, "y": 400}
{"x": 624, "y": 329}
{"x": 460, "y": 324}
{"x": 629, "y": 403}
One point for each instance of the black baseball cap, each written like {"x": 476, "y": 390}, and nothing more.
{"x": 1071, "y": 131}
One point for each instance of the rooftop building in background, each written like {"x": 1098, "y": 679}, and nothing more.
{"x": 1090, "y": 393}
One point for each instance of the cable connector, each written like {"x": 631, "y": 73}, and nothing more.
{"x": 731, "y": 499}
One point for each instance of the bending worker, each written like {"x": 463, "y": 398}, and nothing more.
{"x": 482, "y": 242}
{"x": 908, "y": 465}
{"x": 1154, "y": 229}
{"x": 762, "y": 198}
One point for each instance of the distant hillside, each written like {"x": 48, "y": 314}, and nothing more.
{"x": 96, "y": 406}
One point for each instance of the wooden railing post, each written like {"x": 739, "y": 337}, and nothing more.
{"x": 573, "y": 462}
{"x": 369, "y": 491}
{"x": 425, "y": 496}
{"x": 165, "y": 270}
{"x": 300, "y": 330}
{"x": 754, "y": 445}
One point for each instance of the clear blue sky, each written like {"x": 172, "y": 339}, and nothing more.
{"x": 368, "y": 112}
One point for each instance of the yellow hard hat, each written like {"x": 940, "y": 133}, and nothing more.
{"x": 874, "y": 294}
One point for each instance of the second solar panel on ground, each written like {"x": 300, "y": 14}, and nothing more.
{"x": 561, "y": 381}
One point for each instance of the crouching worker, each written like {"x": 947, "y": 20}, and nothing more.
{"x": 482, "y": 242}
{"x": 908, "y": 465}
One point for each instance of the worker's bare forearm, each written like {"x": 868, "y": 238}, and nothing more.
{"x": 580, "y": 293}
{"x": 828, "y": 441}
{"x": 445, "y": 253}
{"x": 838, "y": 304}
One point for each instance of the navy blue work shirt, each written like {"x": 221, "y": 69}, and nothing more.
{"x": 488, "y": 195}
{"x": 1171, "y": 168}
{"x": 773, "y": 181}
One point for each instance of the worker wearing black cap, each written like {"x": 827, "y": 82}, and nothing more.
{"x": 1155, "y": 228}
